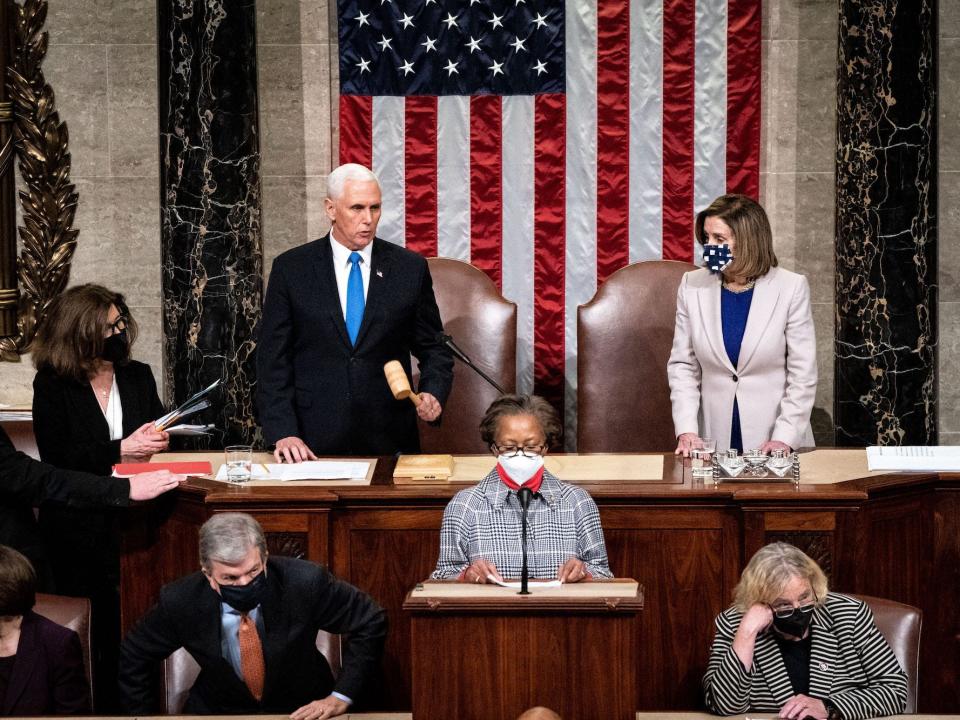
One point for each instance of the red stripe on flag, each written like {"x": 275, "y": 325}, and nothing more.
{"x": 356, "y": 130}
{"x": 679, "y": 24}
{"x": 486, "y": 184}
{"x": 420, "y": 167}
{"x": 549, "y": 231}
{"x": 743, "y": 96}
{"x": 613, "y": 136}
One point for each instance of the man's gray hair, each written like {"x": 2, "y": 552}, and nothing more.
{"x": 337, "y": 180}
{"x": 228, "y": 537}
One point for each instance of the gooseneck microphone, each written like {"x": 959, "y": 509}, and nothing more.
{"x": 524, "y": 495}
{"x": 462, "y": 357}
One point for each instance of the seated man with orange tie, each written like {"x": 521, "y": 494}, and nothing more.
{"x": 251, "y": 623}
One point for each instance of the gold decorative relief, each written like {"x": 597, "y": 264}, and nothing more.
{"x": 48, "y": 199}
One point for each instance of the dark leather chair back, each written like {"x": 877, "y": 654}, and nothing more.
{"x": 900, "y": 625}
{"x": 484, "y": 325}
{"x": 624, "y": 336}
{"x": 180, "y": 671}
{"x": 73, "y": 613}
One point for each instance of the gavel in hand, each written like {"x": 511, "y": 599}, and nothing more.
{"x": 398, "y": 382}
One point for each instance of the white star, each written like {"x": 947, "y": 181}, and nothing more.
{"x": 429, "y": 44}
{"x": 386, "y": 1}
{"x": 517, "y": 45}
{"x": 406, "y": 20}
{"x": 496, "y": 68}
{"x": 362, "y": 19}
{"x": 451, "y": 21}
{"x": 407, "y": 67}
{"x": 540, "y": 67}
{"x": 385, "y": 43}
{"x": 364, "y": 66}
{"x": 517, "y": 4}
{"x": 430, "y": 1}
{"x": 451, "y": 68}
{"x": 473, "y": 2}
{"x": 540, "y": 20}
{"x": 474, "y": 45}
{"x": 495, "y": 21}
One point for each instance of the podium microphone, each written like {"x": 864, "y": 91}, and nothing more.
{"x": 524, "y": 495}
{"x": 462, "y": 357}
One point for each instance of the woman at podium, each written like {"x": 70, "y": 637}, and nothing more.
{"x": 743, "y": 367}
{"x": 480, "y": 539}
{"x": 790, "y": 646}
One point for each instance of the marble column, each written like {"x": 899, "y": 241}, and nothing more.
{"x": 886, "y": 291}
{"x": 210, "y": 206}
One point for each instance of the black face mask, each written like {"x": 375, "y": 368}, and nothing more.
{"x": 245, "y": 598}
{"x": 796, "y": 623}
{"x": 115, "y": 347}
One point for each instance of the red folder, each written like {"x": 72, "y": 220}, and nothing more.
{"x": 180, "y": 468}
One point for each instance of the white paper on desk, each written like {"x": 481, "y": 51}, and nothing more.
{"x": 310, "y": 470}
{"x": 531, "y": 584}
{"x": 936, "y": 458}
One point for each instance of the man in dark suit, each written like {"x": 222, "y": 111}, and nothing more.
{"x": 25, "y": 483}
{"x": 251, "y": 623}
{"x": 336, "y": 310}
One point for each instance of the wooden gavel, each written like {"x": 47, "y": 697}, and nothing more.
{"x": 398, "y": 382}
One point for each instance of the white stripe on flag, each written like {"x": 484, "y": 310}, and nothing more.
{"x": 388, "y": 164}
{"x": 581, "y": 188}
{"x": 453, "y": 177}
{"x": 646, "y": 130}
{"x": 709, "y": 107}
{"x": 518, "y": 207}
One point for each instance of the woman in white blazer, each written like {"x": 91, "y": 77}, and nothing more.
{"x": 743, "y": 368}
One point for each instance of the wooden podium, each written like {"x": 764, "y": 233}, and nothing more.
{"x": 487, "y": 652}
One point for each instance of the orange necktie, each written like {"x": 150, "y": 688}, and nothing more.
{"x": 251, "y": 656}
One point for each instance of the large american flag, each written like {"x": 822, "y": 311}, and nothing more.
{"x": 550, "y": 143}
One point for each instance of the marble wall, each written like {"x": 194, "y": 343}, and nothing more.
{"x": 102, "y": 65}
{"x": 949, "y": 179}
{"x": 798, "y": 140}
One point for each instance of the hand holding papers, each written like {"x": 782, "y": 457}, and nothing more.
{"x": 194, "y": 404}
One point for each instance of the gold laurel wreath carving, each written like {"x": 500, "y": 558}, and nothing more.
{"x": 49, "y": 200}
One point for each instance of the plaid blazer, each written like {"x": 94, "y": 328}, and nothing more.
{"x": 851, "y": 665}
{"x": 484, "y": 522}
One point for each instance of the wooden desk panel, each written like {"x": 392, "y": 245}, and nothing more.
{"x": 894, "y": 536}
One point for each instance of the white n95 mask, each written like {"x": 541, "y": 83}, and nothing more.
{"x": 520, "y": 468}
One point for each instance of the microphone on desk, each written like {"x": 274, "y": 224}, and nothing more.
{"x": 462, "y": 357}
{"x": 524, "y": 495}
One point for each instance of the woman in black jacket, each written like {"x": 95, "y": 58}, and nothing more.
{"x": 93, "y": 407}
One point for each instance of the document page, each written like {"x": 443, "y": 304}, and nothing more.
{"x": 531, "y": 585}
{"x": 918, "y": 458}
{"x": 310, "y": 470}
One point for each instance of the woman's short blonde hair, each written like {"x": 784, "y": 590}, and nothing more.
{"x": 769, "y": 572}
{"x": 748, "y": 221}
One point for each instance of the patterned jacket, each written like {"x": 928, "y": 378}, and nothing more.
{"x": 484, "y": 522}
{"x": 851, "y": 665}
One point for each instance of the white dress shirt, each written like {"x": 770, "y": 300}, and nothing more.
{"x": 341, "y": 268}
{"x": 114, "y": 412}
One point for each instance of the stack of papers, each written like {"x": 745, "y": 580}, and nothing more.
{"x": 311, "y": 470}
{"x": 194, "y": 404}
{"x": 918, "y": 458}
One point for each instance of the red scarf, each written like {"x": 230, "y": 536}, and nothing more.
{"x": 533, "y": 483}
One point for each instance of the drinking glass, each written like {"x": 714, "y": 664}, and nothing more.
{"x": 701, "y": 458}
{"x": 239, "y": 462}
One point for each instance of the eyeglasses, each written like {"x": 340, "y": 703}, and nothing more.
{"x": 118, "y": 325}
{"x": 514, "y": 450}
{"x": 786, "y": 609}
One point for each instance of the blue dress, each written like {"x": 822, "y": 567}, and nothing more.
{"x": 734, "y": 309}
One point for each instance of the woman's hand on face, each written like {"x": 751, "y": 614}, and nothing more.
{"x": 770, "y": 445}
{"x": 685, "y": 444}
{"x": 478, "y": 571}
{"x": 757, "y": 619}
{"x": 144, "y": 442}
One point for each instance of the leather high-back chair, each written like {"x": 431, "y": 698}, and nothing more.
{"x": 484, "y": 325}
{"x": 624, "y": 336}
{"x": 900, "y": 625}
{"x": 180, "y": 671}
{"x": 73, "y": 613}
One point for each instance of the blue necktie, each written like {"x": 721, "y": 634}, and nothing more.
{"x": 355, "y": 301}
